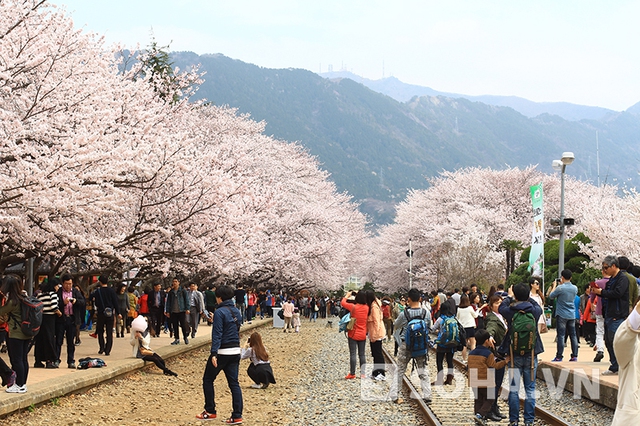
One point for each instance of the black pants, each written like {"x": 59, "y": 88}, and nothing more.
{"x": 66, "y": 328}
{"x": 589, "y": 331}
{"x": 378, "y": 358}
{"x": 499, "y": 376}
{"x": 156, "y": 319}
{"x": 179, "y": 319}
{"x": 157, "y": 360}
{"x": 103, "y": 323}
{"x": 18, "y": 351}
{"x": 5, "y": 372}
{"x": 230, "y": 364}
{"x": 440, "y": 356}
{"x": 484, "y": 399}
{"x": 261, "y": 374}
{"x": 45, "y": 340}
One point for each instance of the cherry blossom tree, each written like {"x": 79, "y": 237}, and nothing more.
{"x": 459, "y": 224}
{"x": 103, "y": 170}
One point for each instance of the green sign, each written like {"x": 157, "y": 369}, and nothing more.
{"x": 536, "y": 256}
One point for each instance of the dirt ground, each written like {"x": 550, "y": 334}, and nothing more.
{"x": 148, "y": 397}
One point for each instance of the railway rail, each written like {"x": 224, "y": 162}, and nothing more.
{"x": 451, "y": 405}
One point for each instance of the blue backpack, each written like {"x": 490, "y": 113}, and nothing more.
{"x": 416, "y": 334}
{"x": 449, "y": 334}
{"x": 344, "y": 321}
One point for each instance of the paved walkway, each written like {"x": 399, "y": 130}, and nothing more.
{"x": 45, "y": 384}
{"x": 569, "y": 375}
{"x": 585, "y": 358}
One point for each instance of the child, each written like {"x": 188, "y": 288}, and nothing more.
{"x": 225, "y": 356}
{"x": 296, "y": 319}
{"x": 140, "y": 340}
{"x": 260, "y": 369}
{"x": 481, "y": 359}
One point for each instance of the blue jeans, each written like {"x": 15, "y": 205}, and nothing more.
{"x": 358, "y": 345}
{"x": 564, "y": 326}
{"x": 610, "y": 327}
{"x": 522, "y": 369}
{"x": 230, "y": 364}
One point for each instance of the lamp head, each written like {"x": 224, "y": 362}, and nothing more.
{"x": 567, "y": 158}
{"x": 557, "y": 165}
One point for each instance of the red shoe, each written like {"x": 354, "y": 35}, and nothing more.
{"x": 206, "y": 416}
{"x": 350, "y": 376}
{"x": 94, "y": 335}
{"x": 232, "y": 421}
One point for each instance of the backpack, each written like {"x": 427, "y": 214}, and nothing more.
{"x": 88, "y": 362}
{"x": 523, "y": 334}
{"x": 31, "y": 316}
{"x": 416, "y": 335}
{"x": 344, "y": 321}
{"x": 450, "y": 334}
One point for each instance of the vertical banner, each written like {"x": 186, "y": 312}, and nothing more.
{"x": 536, "y": 256}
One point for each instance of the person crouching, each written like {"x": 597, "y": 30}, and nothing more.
{"x": 260, "y": 368}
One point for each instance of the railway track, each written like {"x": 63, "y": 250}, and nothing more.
{"x": 452, "y": 405}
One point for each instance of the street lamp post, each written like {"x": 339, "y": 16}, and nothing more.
{"x": 410, "y": 255}
{"x": 561, "y": 165}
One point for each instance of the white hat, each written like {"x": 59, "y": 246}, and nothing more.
{"x": 139, "y": 324}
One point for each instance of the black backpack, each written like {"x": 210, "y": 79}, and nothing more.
{"x": 31, "y": 316}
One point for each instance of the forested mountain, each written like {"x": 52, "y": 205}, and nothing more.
{"x": 377, "y": 148}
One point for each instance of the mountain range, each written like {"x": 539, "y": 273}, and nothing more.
{"x": 377, "y": 147}
{"x": 403, "y": 92}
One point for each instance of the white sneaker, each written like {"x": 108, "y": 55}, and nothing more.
{"x": 16, "y": 389}
{"x": 256, "y": 386}
{"x": 381, "y": 377}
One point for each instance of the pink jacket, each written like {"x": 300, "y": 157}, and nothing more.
{"x": 375, "y": 324}
{"x": 287, "y": 309}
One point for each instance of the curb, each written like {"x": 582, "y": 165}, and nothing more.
{"x": 47, "y": 390}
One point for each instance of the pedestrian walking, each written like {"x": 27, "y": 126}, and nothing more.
{"x": 225, "y": 356}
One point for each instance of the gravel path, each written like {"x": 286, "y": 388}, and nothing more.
{"x": 309, "y": 367}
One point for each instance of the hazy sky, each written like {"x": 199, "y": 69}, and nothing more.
{"x": 579, "y": 51}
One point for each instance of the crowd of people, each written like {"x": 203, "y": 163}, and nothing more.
{"x": 489, "y": 323}
{"x": 495, "y": 332}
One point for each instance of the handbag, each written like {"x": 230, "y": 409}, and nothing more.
{"x": 144, "y": 351}
{"x": 108, "y": 312}
{"x": 281, "y": 314}
{"x": 352, "y": 323}
{"x": 543, "y": 327}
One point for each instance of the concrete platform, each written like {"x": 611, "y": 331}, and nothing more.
{"x": 583, "y": 377}
{"x": 46, "y": 384}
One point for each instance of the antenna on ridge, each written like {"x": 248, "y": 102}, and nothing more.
{"x": 598, "y": 158}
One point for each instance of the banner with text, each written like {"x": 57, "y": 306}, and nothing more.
{"x": 536, "y": 256}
